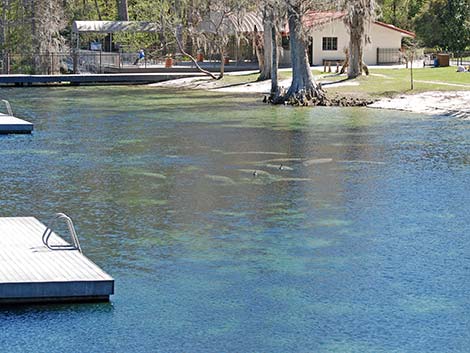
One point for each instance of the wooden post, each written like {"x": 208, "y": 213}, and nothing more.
{"x": 411, "y": 70}
{"x": 329, "y": 66}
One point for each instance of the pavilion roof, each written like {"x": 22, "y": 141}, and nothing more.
{"x": 232, "y": 23}
{"x": 114, "y": 26}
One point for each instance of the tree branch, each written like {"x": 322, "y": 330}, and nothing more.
{"x": 194, "y": 60}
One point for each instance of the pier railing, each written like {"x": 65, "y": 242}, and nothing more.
{"x": 73, "y": 235}
{"x": 68, "y": 62}
{"x": 8, "y": 107}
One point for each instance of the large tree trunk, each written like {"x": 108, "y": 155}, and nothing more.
{"x": 303, "y": 88}
{"x": 356, "y": 43}
{"x": 359, "y": 13}
{"x": 46, "y": 24}
{"x": 265, "y": 73}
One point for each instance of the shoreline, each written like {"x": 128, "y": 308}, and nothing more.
{"x": 450, "y": 103}
{"x": 433, "y": 102}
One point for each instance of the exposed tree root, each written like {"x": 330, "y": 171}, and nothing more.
{"x": 314, "y": 95}
{"x": 305, "y": 99}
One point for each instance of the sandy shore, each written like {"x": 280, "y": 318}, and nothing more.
{"x": 262, "y": 87}
{"x": 455, "y": 103}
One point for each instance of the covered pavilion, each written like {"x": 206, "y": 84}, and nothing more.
{"x": 108, "y": 28}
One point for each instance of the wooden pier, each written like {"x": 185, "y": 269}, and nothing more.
{"x": 11, "y": 125}
{"x": 31, "y": 272}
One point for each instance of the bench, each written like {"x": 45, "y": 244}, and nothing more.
{"x": 335, "y": 62}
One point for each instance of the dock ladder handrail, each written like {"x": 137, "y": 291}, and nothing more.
{"x": 47, "y": 233}
{"x": 7, "y": 104}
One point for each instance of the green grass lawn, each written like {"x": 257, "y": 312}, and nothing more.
{"x": 380, "y": 82}
{"x": 389, "y": 82}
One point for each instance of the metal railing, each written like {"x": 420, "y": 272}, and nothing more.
{"x": 91, "y": 61}
{"x": 34, "y": 63}
{"x": 68, "y": 62}
{"x": 73, "y": 235}
{"x": 461, "y": 58}
{"x": 7, "y": 104}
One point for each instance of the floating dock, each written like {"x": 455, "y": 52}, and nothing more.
{"x": 11, "y": 125}
{"x": 32, "y": 272}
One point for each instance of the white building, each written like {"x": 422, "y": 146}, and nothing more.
{"x": 329, "y": 38}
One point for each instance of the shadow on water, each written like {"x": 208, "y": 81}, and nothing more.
{"x": 15, "y": 310}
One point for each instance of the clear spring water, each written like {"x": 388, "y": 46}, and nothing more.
{"x": 360, "y": 244}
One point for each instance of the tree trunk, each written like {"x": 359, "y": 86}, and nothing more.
{"x": 34, "y": 36}
{"x": 162, "y": 36}
{"x": 123, "y": 13}
{"x": 356, "y": 30}
{"x": 98, "y": 10}
{"x": 222, "y": 63}
{"x": 265, "y": 73}
{"x": 359, "y": 14}
{"x": 47, "y": 20}
{"x": 3, "y": 37}
{"x": 303, "y": 87}
{"x": 259, "y": 49}
{"x": 345, "y": 63}
{"x": 274, "y": 81}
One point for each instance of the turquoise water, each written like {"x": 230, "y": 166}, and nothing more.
{"x": 361, "y": 243}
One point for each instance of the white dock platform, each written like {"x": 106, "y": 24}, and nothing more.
{"x": 30, "y": 272}
{"x": 11, "y": 125}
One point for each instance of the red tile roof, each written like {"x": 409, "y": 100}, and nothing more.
{"x": 392, "y": 27}
{"x": 319, "y": 18}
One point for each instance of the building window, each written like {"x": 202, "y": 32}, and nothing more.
{"x": 330, "y": 43}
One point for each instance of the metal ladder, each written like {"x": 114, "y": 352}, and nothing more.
{"x": 7, "y": 104}
{"x": 47, "y": 233}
